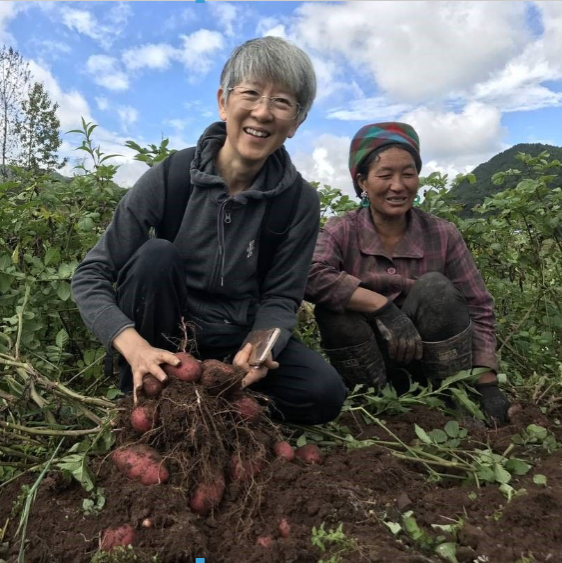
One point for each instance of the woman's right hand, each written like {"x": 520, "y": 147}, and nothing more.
{"x": 143, "y": 358}
{"x": 400, "y": 333}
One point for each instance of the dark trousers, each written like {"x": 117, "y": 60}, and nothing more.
{"x": 438, "y": 311}
{"x": 151, "y": 291}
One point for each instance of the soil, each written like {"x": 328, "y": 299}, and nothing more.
{"x": 360, "y": 489}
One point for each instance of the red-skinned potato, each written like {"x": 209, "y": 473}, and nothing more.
{"x": 141, "y": 463}
{"x": 117, "y": 537}
{"x": 151, "y": 386}
{"x": 188, "y": 370}
{"x": 245, "y": 469}
{"x": 284, "y": 528}
{"x": 310, "y": 454}
{"x": 144, "y": 418}
{"x": 248, "y": 408}
{"x": 265, "y": 541}
{"x": 207, "y": 496}
{"x": 284, "y": 450}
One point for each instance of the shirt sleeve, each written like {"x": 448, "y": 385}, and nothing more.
{"x": 463, "y": 273}
{"x": 328, "y": 284}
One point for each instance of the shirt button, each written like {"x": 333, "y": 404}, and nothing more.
{"x": 391, "y": 271}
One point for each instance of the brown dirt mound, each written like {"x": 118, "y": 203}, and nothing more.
{"x": 360, "y": 489}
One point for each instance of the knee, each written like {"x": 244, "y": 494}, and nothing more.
{"x": 434, "y": 283}
{"x": 340, "y": 330}
{"x": 327, "y": 393}
{"x": 157, "y": 256}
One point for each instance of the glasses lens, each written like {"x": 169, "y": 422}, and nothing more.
{"x": 282, "y": 108}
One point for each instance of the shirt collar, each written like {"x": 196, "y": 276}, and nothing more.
{"x": 411, "y": 246}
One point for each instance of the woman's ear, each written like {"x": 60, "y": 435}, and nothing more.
{"x": 360, "y": 181}
{"x": 222, "y": 104}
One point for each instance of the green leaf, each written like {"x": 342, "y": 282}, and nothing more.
{"x": 76, "y": 465}
{"x": 501, "y": 475}
{"x": 63, "y": 291}
{"x": 301, "y": 441}
{"x": 447, "y": 551}
{"x": 394, "y": 527}
{"x": 539, "y": 479}
{"x": 62, "y": 338}
{"x": 463, "y": 399}
{"x": 517, "y": 466}
{"x": 421, "y": 434}
{"x": 438, "y": 436}
{"x": 452, "y": 428}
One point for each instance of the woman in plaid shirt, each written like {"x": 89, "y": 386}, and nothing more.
{"x": 395, "y": 286}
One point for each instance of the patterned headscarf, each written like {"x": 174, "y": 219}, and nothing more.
{"x": 376, "y": 135}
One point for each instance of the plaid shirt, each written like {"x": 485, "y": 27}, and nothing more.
{"x": 350, "y": 253}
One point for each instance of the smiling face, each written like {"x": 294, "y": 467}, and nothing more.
{"x": 253, "y": 135}
{"x": 391, "y": 184}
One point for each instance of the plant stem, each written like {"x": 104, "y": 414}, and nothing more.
{"x": 49, "y": 432}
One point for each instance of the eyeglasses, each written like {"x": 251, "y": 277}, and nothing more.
{"x": 280, "y": 107}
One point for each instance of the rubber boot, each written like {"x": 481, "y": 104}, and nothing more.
{"x": 445, "y": 358}
{"x": 361, "y": 364}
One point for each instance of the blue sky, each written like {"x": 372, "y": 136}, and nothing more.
{"x": 473, "y": 77}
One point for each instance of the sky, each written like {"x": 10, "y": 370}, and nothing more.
{"x": 473, "y": 78}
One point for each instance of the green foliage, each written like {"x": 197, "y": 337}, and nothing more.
{"x": 333, "y": 542}
{"x": 470, "y": 195}
{"x": 152, "y": 154}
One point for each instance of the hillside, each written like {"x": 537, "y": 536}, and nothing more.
{"x": 472, "y": 194}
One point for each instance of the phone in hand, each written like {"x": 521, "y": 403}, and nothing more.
{"x": 262, "y": 342}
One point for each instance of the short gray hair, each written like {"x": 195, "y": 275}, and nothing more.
{"x": 275, "y": 60}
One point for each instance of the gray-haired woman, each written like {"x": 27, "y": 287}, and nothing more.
{"x": 210, "y": 274}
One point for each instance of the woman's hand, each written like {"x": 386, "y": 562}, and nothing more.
{"x": 253, "y": 373}
{"x": 143, "y": 358}
{"x": 403, "y": 340}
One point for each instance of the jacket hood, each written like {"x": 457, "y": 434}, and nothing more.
{"x": 275, "y": 176}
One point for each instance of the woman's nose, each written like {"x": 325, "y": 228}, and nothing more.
{"x": 263, "y": 109}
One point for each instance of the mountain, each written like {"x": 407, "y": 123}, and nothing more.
{"x": 472, "y": 194}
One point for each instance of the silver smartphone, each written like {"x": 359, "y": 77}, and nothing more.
{"x": 262, "y": 342}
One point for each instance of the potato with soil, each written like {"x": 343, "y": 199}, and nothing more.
{"x": 117, "y": 537}
{"x": 141, "y": 463}
{"x": 151, "y": 386}
{"x": 217, "y": 376}
{"x": 310, "y": 454}
{"x": 188, "y": 370}
{"x": 144, "y": 418}
{"x": 245, "y": 469}
{"x": 207, "y": 496}
{"x": 284, "y": 450}
{"x": 248, "y": 408}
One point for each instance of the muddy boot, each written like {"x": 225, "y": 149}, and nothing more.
{"x": 445, "y": 358}
{"x": 361, "y": 364}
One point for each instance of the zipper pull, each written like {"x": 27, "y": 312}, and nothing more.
{"x": 227, "y": 217}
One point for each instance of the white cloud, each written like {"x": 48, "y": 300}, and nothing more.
{"x": 227, "y": 16}
{"x": 373, "y": 109}
{"x": 154, "y": 56}
{"x": 127, "y": 116}
{"x": 270, "y": 26}
{"x": 329, "y": 83}
{"x": 327, "y": 163}
{"x": 72, "y": 105}
{"x": 197, "y": 54}
{"x": 86, "y": 23}
{"x": 102, "y": 103}
{"x": 416, "y": 50}
{"x": 466, "y": 138}
{"x": 106, "y": 72}
{"x": 8, "y": 11}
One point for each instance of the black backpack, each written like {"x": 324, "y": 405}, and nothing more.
{"x": 274, "y": 228}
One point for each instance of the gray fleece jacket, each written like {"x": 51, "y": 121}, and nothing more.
{"x": 218, "y": 240}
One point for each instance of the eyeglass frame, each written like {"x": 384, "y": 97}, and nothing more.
{"x": 270, "y": 102}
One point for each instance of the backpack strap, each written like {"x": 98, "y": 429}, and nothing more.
{"x": 275, "y": 226}
{"x": 178, "y": 188}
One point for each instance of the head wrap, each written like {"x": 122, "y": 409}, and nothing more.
{"x": 376, "y": 135}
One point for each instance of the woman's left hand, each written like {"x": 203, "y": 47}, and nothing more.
{"x": 253, "y": 374}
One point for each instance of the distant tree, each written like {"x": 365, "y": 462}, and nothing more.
{"x": 14, "y": 82}
{"x": 37, "y": 130}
